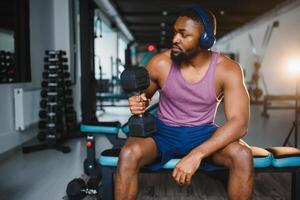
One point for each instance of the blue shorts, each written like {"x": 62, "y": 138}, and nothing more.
{"x": 176, "y": 142}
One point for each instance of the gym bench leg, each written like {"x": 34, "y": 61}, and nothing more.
{"x": 296, "y": 185}
{"x": 107, "y": 183}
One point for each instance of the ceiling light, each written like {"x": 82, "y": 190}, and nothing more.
{"x": 164, "y": 13}
{"x": 162, "y": 24}
{"x": 163, "y": 32}
{"x": 222, "y": 12}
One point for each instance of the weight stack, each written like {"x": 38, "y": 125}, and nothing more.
{"x": 56, "y": 125}
{"x": 7, "y": 67}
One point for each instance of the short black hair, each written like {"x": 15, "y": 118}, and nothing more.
{"x": 191, "y": 13}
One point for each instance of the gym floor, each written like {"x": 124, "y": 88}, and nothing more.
{"x": 45, "y": 174}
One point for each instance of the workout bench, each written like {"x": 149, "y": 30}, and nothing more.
{"x": 270, "y": 160}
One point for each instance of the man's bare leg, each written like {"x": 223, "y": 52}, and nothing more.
{"x": 237, "y": 156}
{"x": 136, "y": 153}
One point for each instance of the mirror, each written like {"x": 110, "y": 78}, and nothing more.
{"x": 14, "y": 41}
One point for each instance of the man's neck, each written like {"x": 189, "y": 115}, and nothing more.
{"x": 198, "y": 61}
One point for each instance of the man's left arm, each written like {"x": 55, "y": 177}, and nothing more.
{"x": 236, "y": 105}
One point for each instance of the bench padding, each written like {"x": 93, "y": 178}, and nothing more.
{"x": 261, "y": 158}
{"x": 285, "y": 156}
{"x": 101, "y": 127}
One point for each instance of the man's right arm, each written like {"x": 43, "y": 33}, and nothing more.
{"x": 138, "y": 104}
{"x": 152, "y": 68}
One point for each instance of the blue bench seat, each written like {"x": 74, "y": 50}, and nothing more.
{"x": 261, "y": 158}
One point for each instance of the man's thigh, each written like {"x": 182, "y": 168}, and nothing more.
{"x": 145, "y": 148}
{"x": 224, "y": 156}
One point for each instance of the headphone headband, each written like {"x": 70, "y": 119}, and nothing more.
{"x": 207, "y": 38}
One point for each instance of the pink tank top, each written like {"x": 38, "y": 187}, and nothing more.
{"x": 185, "y": 104}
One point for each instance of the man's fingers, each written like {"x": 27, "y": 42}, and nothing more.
{"x": 143, "y": 97}
{"x": 182, "y": 179}
{"x": 188, "y": 179}
{"x": 177, "y": 174}
{"x": 174, "y": 173}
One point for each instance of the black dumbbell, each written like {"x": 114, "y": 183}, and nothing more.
{"x": 49, "y": 125}
{"x": 55, "y": 52}
{"x": 76, "y": 189}
{"x": 134, "y": 80}
{"x": 44, "y": 103}
{"x": 46, "y": 93}
{"x": 55, "y": 67}
{"x": 44, "y": 114}
{"x": 55, "y": 60}
{"x": 46, "y": 84}
{"x": 46, "y": 75}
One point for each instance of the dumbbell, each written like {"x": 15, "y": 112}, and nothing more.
{"x": 55, "y": 60}
{"x": 76, "y": 189}
{"x": 46, "y": 75}
{"x": 55, "y": 67}
{"x": 134, "y": 80}
{"x": 56, "y": 84}
{"x": 44, "y": 114}
{"x": 45, "y": 103}
{"x": 45, "y": 93}
{"x": 55, "y": 52}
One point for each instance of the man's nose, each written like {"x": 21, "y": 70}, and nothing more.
{"x": 176, "y": 39}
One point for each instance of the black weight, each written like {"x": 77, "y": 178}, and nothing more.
{"x": 142, "y": 126}
{"x": 55, "y": 52}
{"x": 75, "y": 189}
{"x": 135, "y": 79}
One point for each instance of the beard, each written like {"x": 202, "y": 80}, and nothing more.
{"x": 182, "y": 56}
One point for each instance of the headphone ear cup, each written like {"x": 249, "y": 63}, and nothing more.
{"x": 206, "y": 41}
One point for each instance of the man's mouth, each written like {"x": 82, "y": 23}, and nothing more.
{"x": 176, "y": 48}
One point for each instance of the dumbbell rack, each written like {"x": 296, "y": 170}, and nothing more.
{"x": 7, "y": 68}
{"x": 56, "y": 114}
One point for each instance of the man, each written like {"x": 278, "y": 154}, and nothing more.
{"x": 191, "y": 80}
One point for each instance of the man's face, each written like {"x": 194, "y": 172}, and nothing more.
{"x": 186, "y": 39}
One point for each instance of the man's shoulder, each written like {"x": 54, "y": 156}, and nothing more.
{"x": 228, "y": 67}
{"x": 161, "y": 59}
{"x": 159, "y": 63}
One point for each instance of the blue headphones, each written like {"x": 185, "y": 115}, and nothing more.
{"x": 207, "y": 38}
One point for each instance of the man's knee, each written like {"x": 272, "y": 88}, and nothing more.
{"x": 240, "y": 156}
{"x": 130, "y": 157}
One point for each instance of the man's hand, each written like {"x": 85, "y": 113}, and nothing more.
{"x": 186, "y": 168}
{"x": 138, "y": 104}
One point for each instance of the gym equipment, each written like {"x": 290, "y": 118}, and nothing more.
{"x": 255, "y": 91}
{"x": 267, "y": 105}
{"x": 75, "y": 189}
{"x": 55, "y": 125}
{"x": 207, "y": 38}
{"x": 56, "y": 75}
{"x": 109, "y": 91}
{"x": 7, "y": 67}
{"x": 134, "y": 80}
